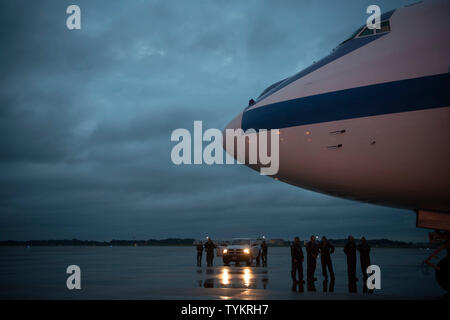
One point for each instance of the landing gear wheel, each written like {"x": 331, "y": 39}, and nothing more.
{"x": 226, "y": 262}
{"x": 249, "y": 263}
{"x": 443, "y": 274}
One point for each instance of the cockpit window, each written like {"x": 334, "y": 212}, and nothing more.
{"x": 366, "y": 32}
{"x": 385, "y": 27}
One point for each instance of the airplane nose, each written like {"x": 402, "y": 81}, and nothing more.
{"x": 247, "y": 147}
{"x": 234, "y": 124}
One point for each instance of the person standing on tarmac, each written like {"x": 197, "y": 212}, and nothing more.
{"x": 209, "y": 248}
{"x": 297, "y": 263}
{"x": 312, "y": 251}
{"x": 350, "y": 251}
{"x": 326, "y": 249}
{"x": 364, "y": 255}
{"x": 199, "y": 254}
{"x": 264, "y": 253}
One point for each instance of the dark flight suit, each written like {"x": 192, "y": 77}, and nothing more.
{"x": 350, "y": 251}
{"x": 209, "y": 248}
{"x": 199, "y": 254}
{"x": 312, "y": 250}
{"x": 326, "y": 249}
{"x": 264, "y": 253}
{"x": 297, "y": 262}
{"x": 364, "y": 255}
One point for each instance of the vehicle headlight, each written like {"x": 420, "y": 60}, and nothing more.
{"x": 225, "y": 250}
{"x": 247, "y": 251}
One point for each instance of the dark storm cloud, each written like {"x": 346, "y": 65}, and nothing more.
{"x": 86, "y": 118}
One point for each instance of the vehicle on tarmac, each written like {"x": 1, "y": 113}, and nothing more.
{"x": 221, "y": 246}
{"x": 241, "y": 250}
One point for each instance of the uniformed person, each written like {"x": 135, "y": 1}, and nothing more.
{"x": 297, "y": 263}
{"x": 199, "y": 254}
{"x": 209, "y": 248}
{"x": 264, "y": 253}
{"x": 350, "y": 251}
{"x": 364, "y": 255}
{"x": 312, "y": 251}
{"x": 326, "y": 249}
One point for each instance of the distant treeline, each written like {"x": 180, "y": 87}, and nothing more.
{"x": 76, "y": 242}
{"x": 380, "y": 243}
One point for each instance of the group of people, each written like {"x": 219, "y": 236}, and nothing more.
{"x": 326, "y": 249}
{"x": 313, "y": 249}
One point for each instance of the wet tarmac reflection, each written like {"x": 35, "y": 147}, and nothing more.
{"x": 233, "y": 277}
{"x": 258, "y": 278}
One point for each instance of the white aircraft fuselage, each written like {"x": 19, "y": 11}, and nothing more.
{"x": 371, "y": 121}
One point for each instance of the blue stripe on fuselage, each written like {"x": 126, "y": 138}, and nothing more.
{"x": 389, "y": 97}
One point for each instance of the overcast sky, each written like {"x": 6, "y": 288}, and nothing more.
{"x": 86, "y": 118}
